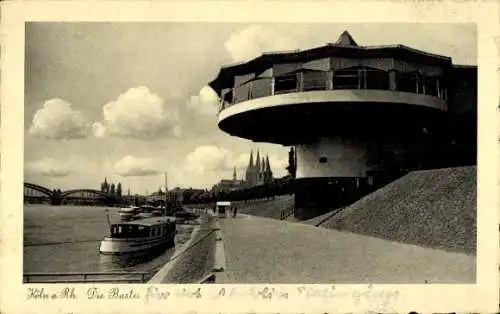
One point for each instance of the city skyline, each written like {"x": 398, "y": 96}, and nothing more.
{"x": 118, "y": 100}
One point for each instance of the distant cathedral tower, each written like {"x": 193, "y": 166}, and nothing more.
{"x": 105, "y": 186}
{"x": 258, "y": 170}
{"x": 249, "y": 171}
{"x": 258, "y": 173}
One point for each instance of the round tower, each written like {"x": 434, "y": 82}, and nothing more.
{"x": 353, "y": 114}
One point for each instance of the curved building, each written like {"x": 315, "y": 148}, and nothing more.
{"x": 354, "y": 114}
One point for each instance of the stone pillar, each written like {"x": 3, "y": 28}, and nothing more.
{"x": 393, "y": 84}
{"x": 300, "y": 81}
{"x": 329, "y": 80}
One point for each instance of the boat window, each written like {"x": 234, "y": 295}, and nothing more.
{"x": 129, "y": 231}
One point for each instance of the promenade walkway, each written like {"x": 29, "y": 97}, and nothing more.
{"x": 261, "y": 250}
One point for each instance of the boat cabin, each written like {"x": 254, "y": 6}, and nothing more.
{"x": 142, "y": 229}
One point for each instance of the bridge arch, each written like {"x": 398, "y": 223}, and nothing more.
{"x": 97, "y": 192}
{"x": 39, "y": 188}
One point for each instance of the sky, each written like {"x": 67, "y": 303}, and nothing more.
{"x": 130, "y": 101}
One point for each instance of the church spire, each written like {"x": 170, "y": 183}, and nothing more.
{"x": 250, "y": 162}
{"x": 257, "y": 162}
{"x": 268, "y": 174}
{"x": 234, "y": 174}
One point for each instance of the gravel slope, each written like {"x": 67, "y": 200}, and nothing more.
{"x": 432, "y": 208}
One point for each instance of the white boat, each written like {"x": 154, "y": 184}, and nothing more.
{"x": 126, "y": 216}
{"x": 131, "y": 209}
{"x": 142, "y": 215}
{"x": 139, "y": 235}
{"x": 129, "y": 212}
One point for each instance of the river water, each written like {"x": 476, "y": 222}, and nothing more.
{"x": 67, "y": 239}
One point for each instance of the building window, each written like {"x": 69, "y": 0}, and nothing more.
{"x": 228, "y": 97}
{"x": 313, "y": 80}
{"x": 241, "y": 93}
{"x": 376, "y": 79}
{"x": 285, "y": 84}
{"x": 420, "y": 83}
{"x": 323, "y": 160}
{"x": 407, "y": 82}
{"x": 260, "y": 88}
{"x": 432, "y": 86}
{"x": 346, "y": 79}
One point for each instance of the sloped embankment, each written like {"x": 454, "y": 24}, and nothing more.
{"x": 431, "y": 208}
{"x": 267, "y": 208}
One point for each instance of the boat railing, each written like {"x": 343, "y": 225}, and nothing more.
{"x": 87, "y": 277}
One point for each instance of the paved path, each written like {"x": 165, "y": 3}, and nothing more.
{"x": 260, "y": 250}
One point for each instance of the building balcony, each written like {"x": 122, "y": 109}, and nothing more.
{"x": 316, "y": 103}
{"x": 347, "y": 79}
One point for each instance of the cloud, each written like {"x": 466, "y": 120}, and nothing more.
{"x": 254, "y": 40}
{"x": 206, "y": 102}
{"x": 241, "y": 162}
{"x": 57, "y": 120}
{"x": 138, "y": 114}
{"x": 278, "y": 165}
{"x": 50, "y": 168}
{"x": 130, "y": 166}
{"x": 208, "y": 158}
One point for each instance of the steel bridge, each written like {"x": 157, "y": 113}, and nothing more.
{"x": 34, "y": 193}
